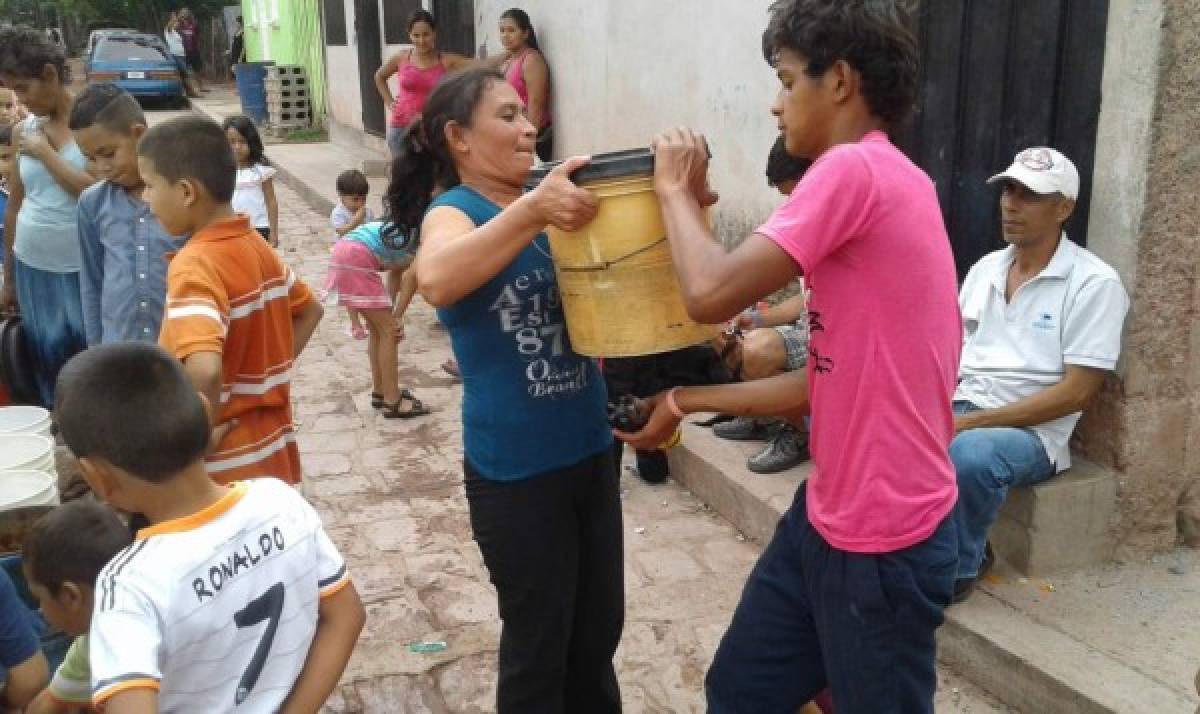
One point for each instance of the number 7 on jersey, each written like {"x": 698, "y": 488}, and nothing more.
{"x": 268, "y": 606}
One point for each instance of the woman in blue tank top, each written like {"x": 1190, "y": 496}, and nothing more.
{"x": 41, "y": 252}
{"x": 540, "y": 479}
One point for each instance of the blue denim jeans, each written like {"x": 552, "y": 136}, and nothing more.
{"x": 988, "y": 462}
{"x": 812, "y": 616}
{"x": 394, "y": 136}
{"x": 53, "y": 317}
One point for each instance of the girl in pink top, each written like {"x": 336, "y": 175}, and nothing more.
{"x": 525, "y": 69}
{"x": 418, "y": 69}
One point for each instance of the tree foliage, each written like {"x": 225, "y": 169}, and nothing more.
{"x": 147, "y": 15}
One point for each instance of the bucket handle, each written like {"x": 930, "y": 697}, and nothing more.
{"x": 597, "y": 267}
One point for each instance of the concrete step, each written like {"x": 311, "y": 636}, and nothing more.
{"x": 349, "y": 137}
{"x": 1029, "y": 666}
{"x": 1036, "y": 668}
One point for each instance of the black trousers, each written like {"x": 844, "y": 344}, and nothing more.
{"x": 553, "y": 546}
{"x": 650, "y": 374}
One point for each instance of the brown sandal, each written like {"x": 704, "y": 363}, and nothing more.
{"x": 377, "y": 398}
{"x": 416, "y": 408}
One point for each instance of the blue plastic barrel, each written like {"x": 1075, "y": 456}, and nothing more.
{"x": 252, "y": 89}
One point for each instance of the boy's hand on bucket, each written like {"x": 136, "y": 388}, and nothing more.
{"x": 660, "y": 426}
{"x": 559, "y": 202}
{"x": 681, "y": 162}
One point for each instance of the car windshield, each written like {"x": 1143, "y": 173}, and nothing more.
{"x": 119, "y": 49}
{"x": 98, "y": 35}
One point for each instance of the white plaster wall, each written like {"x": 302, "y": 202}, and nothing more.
{"x": 341, "y": 73}
{"x": 345, "y": 95}
{"x": 625, "y": 71}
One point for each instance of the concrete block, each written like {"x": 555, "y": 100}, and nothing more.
{"x": 276, "y": 71}
{"x": 1062, "y": 524}
{"x": 378, "y": 168}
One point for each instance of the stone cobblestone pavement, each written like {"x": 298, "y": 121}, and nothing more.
{"x": 391, "y": 497}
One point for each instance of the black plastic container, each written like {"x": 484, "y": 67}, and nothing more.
{"x": 629, "y": 163}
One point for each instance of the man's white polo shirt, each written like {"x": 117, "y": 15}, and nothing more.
{"x": 1071, "y": 313}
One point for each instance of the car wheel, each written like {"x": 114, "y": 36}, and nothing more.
{"x": 181, "y": 102}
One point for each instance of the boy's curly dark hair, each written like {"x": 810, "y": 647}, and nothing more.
{"x": 24, "y": 52}
{"x": 870, "y": 35}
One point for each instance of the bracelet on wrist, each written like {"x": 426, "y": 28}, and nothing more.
{"x": 672, "y": 405}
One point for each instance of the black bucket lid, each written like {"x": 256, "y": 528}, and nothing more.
{"x": 629, "y": 163}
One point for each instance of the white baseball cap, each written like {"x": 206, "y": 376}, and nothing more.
{"x": 1043, "y": 170}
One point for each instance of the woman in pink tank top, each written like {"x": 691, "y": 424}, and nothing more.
{"x": 418, "y": 71}
{"x": 526, "y": 70}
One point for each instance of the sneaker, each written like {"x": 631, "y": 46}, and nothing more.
{"x": 744, "y": 429}
{"x": 714, "y": 420}
{"x": 963, "y": 587}
{"x": 787, "y": 448}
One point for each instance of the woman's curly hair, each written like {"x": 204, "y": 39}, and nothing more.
{"x": 869, "y": 35}
{"x": 24, "y": 52}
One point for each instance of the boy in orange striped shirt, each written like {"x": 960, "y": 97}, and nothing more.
{"x": 236, "y": 316}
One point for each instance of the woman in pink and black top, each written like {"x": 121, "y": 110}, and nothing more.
{"x": 419, "y": 69}
{"x": 525, "y": 69}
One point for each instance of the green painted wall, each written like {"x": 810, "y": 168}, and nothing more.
{"x": 295, "y": 39}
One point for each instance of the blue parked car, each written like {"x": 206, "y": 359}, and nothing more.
{"x": 138, "y": 63}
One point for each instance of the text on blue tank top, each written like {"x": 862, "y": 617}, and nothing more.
{"x": 530, "y": 403}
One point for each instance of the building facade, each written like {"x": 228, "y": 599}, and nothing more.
{"x": 289, "y": 32}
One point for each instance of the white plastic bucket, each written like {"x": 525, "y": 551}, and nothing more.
{"x": 46, "y": 464}
{"x": 19, "y": 489}
{"x": 25, "y": 420}
{"x": 25, "y": 452}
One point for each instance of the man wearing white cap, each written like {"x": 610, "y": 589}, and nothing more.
{"x": 1041, "y": 328}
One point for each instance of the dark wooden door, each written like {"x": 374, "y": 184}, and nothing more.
{"x": 998, "y": 76}
{"x": 370, "y": 58}
{"x": 456, "y": 25}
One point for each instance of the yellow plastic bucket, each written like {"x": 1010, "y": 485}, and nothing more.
{"x": 619, "y": 291}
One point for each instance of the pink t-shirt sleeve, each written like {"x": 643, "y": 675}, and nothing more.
{"x": 829, "y": 207}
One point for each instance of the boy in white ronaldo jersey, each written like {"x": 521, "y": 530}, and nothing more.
{"x": 234, "y": 596}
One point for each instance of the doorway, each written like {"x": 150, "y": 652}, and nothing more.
{"x": 370, "y": 57}
{"x": 998, "y": 76}
{"x": 456, "y": 25}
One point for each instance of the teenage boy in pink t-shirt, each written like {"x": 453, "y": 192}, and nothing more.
{"x": 849, "y": 592}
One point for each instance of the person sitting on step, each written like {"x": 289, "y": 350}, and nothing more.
{"x": 1041, "y": 329}
{"x": 764, "y": 342}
